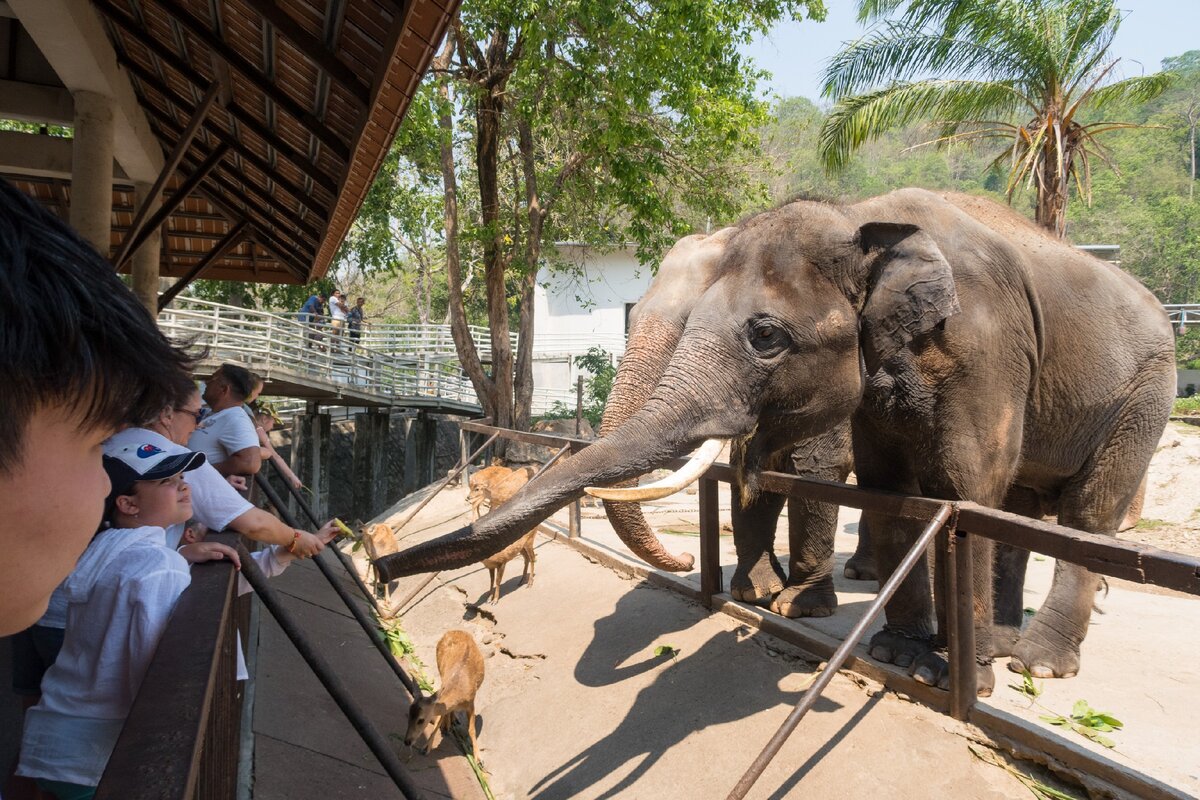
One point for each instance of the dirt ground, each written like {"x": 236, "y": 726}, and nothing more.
{"x": 1171, "y": 516}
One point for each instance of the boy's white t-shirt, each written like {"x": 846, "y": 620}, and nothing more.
{"x": 214, "y": 501}
{"x": 119, "y": 597}
{"x": 337, "y": 309}
{"x": 222, "y": 434}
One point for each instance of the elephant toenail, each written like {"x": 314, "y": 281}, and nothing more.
{"x": 1041, "y": 671}
{"x": 1015, "y": 665}
{"x": 925, "y": 675}
{"x": 881, "y": 653}
{"x": 904, "y": 660}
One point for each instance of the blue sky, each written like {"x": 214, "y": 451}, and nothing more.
{"x": 796, "y": 52}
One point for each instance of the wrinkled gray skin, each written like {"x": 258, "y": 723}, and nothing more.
{"x": 656, "y": 325}
{"x": 977, "y": 359}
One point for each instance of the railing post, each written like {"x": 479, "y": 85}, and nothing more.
{"x": 960, "y": 612}
{"x": 711, "y": 579}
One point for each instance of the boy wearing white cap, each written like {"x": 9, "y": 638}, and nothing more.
{"x": 119, "y": 596}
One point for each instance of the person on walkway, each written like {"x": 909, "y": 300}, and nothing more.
{"x": 79, "y": 356}
{"x": 337, "y": 312}
{"x": 226, "y": 435}
{"x": 119, "y": 598}
{"x": 354, "y": 318}
{"x": 312, "y": 313}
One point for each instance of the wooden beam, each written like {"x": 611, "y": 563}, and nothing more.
{"x": 311, "y": 237}
{"x": 313, "y": 49}
{"x": 236, "y": 61}
{"x": 177, "y": 152}
{"x": 307, "y": 200}
{"x": 231, "y": 239}
{"x": 237, "y": 112}
{"x": 282, "y": 254}
{"x": 171, "y": 203}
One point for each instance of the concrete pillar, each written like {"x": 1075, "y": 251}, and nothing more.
{"x": 311, "y": 452}
{"x": 92, "y": 169}
{"x": 420, "y": 441}
{"x": 146, "y": 258}
{"x": 370, "y": 474}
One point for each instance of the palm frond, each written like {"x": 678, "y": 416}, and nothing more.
{"x": 893, "y": 52}
{"x": 858, "y": 119}
{"x": 1139, "y": 90}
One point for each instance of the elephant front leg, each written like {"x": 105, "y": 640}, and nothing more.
{"x": 909, "y": 631}
{"x": 809, "y": 591}
{"x": 758, "y": 576}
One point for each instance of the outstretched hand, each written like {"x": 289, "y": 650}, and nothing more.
{"x": 210, "y": 551}
{"x": 329, "y": 531}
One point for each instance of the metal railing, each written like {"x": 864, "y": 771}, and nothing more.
{"x": 270, "y": 343}
{"x": 1103, "y": 555}
{"x": 1182, "y": 315}
{"x": 405, "y": 363}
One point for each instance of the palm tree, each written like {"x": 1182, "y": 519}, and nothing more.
{"x": 1033, "y": 74}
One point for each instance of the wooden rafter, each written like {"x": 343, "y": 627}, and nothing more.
{"x": 177, "y": 152}
{"x": 243, "y": 117}
{"x": 313, "y": 49}
{"x": 231, "y": 239}
{"x": 255, "y": 78}
{"x": 170, "y": 204}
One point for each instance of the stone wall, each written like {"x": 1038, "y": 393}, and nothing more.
{"x": 397, "y": 461}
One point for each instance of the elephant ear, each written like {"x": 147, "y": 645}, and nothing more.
{"x": 911, "y": 289}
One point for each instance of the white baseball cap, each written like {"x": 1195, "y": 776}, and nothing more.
{"x": 145, "y": 462}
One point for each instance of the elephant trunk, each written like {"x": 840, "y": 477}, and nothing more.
{"x": 645, "y": 442}
{"x": 651, "y": 345}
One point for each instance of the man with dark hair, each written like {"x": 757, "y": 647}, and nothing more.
{"x": 68, "y": 379}
{"x": 227, "y": 436}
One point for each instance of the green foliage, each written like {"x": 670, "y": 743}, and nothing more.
{"x": 1023, "y": 74}
{"x": 666, "y": 650}
{"x": 598, "y": 363}
{"x": 59, "y": 131}
{"x": 1187, "y": 406}
{"x": 1088, "y": 722}
{"x": 1084, "y": 719}
{"x": 283, "y": 297}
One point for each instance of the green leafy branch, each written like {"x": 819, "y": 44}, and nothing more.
{"x": 1084, "y": 720}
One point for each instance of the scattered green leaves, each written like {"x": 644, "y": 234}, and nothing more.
{"x": 1027, "y": 687}
{"x": 1038, "y": 789}
{"x": 1086, "y": 721}
{"x": 666, "y": 650}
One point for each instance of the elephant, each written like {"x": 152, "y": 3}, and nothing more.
{"x": 976, "y": 358}
{"x": 656, "y": 324}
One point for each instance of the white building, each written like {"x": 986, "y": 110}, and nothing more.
{"x": 582, "y": 302}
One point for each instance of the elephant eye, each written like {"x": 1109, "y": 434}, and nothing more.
{"x": 767, "y": 338}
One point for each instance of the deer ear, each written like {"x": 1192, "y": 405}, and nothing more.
{"x": 911, "y": 289}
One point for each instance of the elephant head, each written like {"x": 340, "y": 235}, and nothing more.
{"x": 770, "y": 352}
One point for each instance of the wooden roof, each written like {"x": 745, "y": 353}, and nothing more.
{"x": 311, "y": 93}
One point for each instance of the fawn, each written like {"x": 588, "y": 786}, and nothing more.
{"x": 460, "y": 669}
{"x": 481, "y": 484}
{"x": 499, "y": 492}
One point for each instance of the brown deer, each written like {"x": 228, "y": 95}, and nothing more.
{"x": 481, "y": 483}
{"x": 460, "y": 667}
{"x": 494, "y": 494}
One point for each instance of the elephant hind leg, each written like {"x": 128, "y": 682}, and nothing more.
{"x": 1096, "y": 501}
{"x": 861, "y": 566}
{"x": 1008, "y": 577}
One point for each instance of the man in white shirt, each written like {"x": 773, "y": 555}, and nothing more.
{"x": 227, "y": 436}
{"x": 338, "y": 310}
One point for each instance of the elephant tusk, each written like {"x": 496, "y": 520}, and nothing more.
{"x": 675, "y": 482}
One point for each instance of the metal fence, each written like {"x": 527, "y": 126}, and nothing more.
{"x": 401, "y": 363}
{"x": 1182, "y": 315}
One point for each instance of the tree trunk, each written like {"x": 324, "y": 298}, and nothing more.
{"x": 489, "y": 108}
{"x": 533, "y": 254}
{"x": 467, "y": 354}
{"x": 1052, "y": 196}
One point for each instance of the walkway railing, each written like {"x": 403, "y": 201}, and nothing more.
{"x": 1182, "y": 315}
{"x": 390, "y": 363}
{"x": 269, "y": 344}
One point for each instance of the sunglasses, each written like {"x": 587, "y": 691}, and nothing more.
{"x": 197, "y": 415}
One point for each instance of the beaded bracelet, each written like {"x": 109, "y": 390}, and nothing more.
{"x": 295, "y": 538}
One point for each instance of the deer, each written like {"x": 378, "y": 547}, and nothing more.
{"x": 481, "y": 484}
{"x": 495, "y": 493}
{"x": 460, "y": 671}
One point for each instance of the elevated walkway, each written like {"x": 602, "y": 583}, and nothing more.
{"x": 310, "y": 363}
